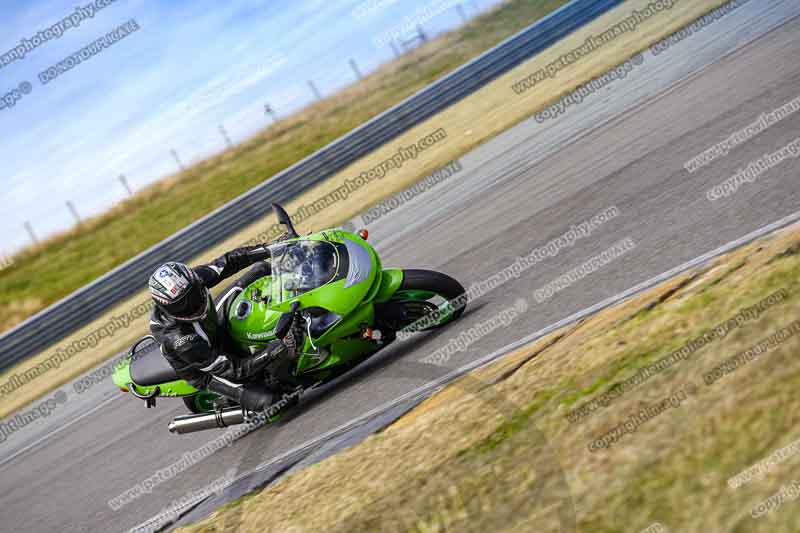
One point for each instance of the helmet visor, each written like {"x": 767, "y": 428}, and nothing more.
{"x": 193, "y": 306}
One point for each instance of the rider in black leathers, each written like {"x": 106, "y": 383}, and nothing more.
{"x": 192, "y": 332}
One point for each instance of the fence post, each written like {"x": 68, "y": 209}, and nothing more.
{"x": 314, "y": 89}
{"x": 177, "y": 159}
{"x": 462, "y": 13}
{"x": 122, "y": 179}
{"x": 354, "y": 66}
{"x": 31, "y": 234}
{"x": 271, "y": 112}
{"x": 74, "y": 211}
{"x": 224, "y": 134}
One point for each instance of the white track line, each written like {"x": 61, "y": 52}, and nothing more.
{"x": 58, "y": 430}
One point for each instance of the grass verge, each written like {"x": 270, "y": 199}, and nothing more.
{"x": 495, "y": 450}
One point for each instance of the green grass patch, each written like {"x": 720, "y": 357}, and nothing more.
{"x": 518, "y": 422}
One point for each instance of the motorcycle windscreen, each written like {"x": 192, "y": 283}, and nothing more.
{"x": 301, "y": 266}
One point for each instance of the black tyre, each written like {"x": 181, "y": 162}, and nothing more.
{"x": 418, "y": 290}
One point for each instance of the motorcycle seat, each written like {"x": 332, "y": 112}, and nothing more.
{"x": 149, "y": 367}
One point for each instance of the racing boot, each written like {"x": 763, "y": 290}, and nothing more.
{"x": 251, "y": 396}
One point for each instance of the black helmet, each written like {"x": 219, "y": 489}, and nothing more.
{"x": 180, "y": 292}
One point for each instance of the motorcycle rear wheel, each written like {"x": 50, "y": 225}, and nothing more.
{"x": 200, "y": 403}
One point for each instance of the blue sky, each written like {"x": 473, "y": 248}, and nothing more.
{"x": 191, "y": 67}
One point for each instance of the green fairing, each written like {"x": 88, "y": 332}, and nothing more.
{"x": 351, "y": 303}
{"x": 254, "y": 313}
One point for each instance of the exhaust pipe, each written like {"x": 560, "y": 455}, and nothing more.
{"x": 220, "y": 419}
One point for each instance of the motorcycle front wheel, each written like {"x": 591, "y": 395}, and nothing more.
{"x": 431, "y": 299}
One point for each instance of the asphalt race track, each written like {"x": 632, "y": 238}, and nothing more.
{"x": 624, "y": 147}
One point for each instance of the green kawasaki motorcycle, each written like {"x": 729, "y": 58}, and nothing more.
{"x": 327, "y": 288}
